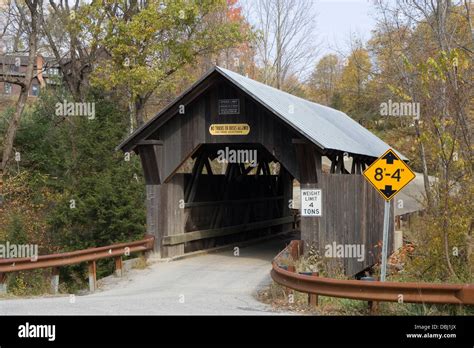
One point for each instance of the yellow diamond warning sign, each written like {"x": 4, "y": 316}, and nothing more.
{"x": 389, "y": 174}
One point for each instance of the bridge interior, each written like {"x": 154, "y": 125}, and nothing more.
{"x": 232, "y": 193}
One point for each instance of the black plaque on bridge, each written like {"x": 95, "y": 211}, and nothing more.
{"x": 229, "y": 106}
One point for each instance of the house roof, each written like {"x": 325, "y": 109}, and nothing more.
{"x": 10, "y": 59}
{"x": 327, "y": 128}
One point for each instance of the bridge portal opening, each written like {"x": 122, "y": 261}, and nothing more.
{"x": 231, "y": 193}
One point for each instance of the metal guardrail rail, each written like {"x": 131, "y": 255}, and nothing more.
{"x": 372, "y": 291}
{"x": 90, "y": 255}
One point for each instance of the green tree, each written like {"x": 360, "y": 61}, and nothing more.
{"x": 354, "y": 85}
{"x": 98, "y": 194}
{"x": 324, "y": 80}
{"x": 149, "y": 45}
{"x": 425, "y": 50}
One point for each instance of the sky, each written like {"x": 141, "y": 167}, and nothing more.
{"x": 336, "y": 20}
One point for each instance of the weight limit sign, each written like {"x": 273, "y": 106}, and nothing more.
{"x": 311, "y": 203}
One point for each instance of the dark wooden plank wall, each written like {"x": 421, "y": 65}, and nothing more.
{"x": 265, "y": 128}
{"x": 171, "y": 215}
{"x": 211, "y": 189}
{"x": 183, "y": 133}
{"x": 352, "y": 214}
{"x": 153, "y": 213}
{"x": 310, "y": 166}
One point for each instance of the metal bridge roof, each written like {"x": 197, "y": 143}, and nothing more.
{"x": 327, "y": 128}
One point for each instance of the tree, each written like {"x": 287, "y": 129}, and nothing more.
{"x": 87, "y": 194}
{"x": 324, "y": 79}
{"x": 239, "y": 58}
{"x": 27, "y": 16}
{"x": 287, "y": 41}
{"x": 434, "y": 68}
{"x": 150, "y": 43}
{"x": 391, "y": 43}
{"x": 72, "y": 34}
{"x": 354, "y": 84}
{"x": 242, "y": 57}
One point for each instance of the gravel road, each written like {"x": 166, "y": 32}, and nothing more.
{"x": 214, "y": 284}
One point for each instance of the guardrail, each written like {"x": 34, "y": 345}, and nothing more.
{"x": 90, "y": 255}
{"x": 372, "y": 291}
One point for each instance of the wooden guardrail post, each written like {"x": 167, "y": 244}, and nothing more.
{"x": 372, "y": 305}
{"x": 291, "y": 292}
{"x": 296, "y": 249}
{"x": 92, "y": 276}
{"x": 118, "y": 266}
{"x": 55, "y": 280}
{"x": 3, "y": 283}
{"x": 313, "y": 299}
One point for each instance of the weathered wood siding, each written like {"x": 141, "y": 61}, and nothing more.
{"x": 153, "y": 213}
{"x": 185, "y": 132}
{"x": 171, "y": 216}
{"x": 352, "y": 213}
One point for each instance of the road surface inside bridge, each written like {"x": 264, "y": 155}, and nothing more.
{"x": 215, "y": 284}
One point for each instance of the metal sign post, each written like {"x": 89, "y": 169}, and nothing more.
{"x": 388, "y": 175}
{"x": 386, "y": 223}
{"x": 1, "y": 187}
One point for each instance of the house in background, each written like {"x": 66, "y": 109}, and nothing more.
{"x": 46, "y": 72}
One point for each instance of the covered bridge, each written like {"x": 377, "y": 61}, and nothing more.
{"x": 219, "y": 163}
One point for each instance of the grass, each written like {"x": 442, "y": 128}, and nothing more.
{"x": 28, "y": 283}
{"x": 140, "y": 263}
